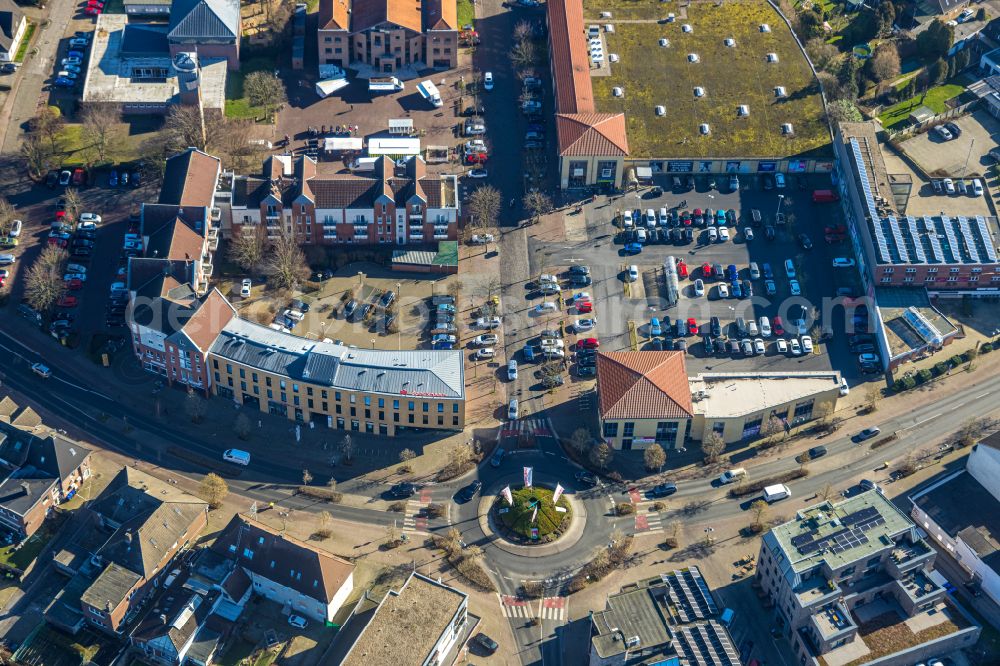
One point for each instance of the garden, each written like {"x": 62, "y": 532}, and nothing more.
{"x": 548, "y": 524}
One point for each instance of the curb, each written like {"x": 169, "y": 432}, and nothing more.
{"x": 567, "y": 541}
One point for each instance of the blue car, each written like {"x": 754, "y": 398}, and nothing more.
{"x": 633, "y": 248}
{"x": 63, "y": 82}
{"x": 113, "y": 178}
{"x": 654, "y": 327}
{"x": 76, "y": 54}
{"x": 768, "y": 273}
{"x": 732, "y": 273}
{"x": 735, "y": 290}
{"x": 529, "y": 353}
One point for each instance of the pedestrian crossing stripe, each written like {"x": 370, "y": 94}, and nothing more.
{"x": 534, "y": 426}
{"x": 514, "y": 607}
{"x": 553, "y": 613}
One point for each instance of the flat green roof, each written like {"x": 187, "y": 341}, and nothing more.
{"x": 447, "y": 254}
{"x": 652, "y": 75}
{"x": 842, "y": 532}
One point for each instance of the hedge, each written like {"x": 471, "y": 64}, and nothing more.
{"x": 744, "y": 489}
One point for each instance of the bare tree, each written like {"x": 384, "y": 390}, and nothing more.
{"x": 7, "y": 216}
{"x": 580, "y": 440}
{"x": 758, "y": 509}
{"x": 184, "y": 128}
{"x": 214, "y": 490}
{"x": 872, "y": 397}
{"x": 522, "y": 31}
{"x": 242, "y": 427}
{"x": 522, "y": 53}
{"x": 99, "y": 123}
{"x": 48, "y": 124}
{"x": 307, "y": 477}
{"x": 822, "y": 54}
{"x": 195, "y": 407}
{"x": 484, "y": 204}
{"x": 601, "y": 455}
{"x": 324, "y": 529}
{"x": 347, "y": 447}
{"x": 537, "y": 204}
{"x": 655, "y": 457}
{"x": 712, "y": 446}
{"x": 286, "y": 263}
{"x": 37, "y": 155}
{"x": 74, "y": 205}
{"x": 266, "y": 90}
{"x": 44, "y": 284}
{"x": 406, "y": 455}
{"x": 246, "y": 249}
{"x": 826, "y": 491}
{"x": 885, "y": 64}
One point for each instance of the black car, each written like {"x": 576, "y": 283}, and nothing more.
{"x": 579, "y": 270}
{"x": 467, "y": 493}
{"x": 731, "y": 217}
{"x": 716, "y": 326}
{"x": 386, "y": 299}
{"x": 688, "y": 235}
{"x": 718, "y": 272}
{"x": 402, "y": 490}
{"x": 474, "y": 111}
{"x": 580, "y": 280}
{"x": 486, "y": 643}
{"x": 805, "y": 242}
{"x": 662, "y": 490}
{"x": 817, "y": 452}
{"x": 586, "y": 370}
{"x": 301, "y": 306}
{"x": 955, "y": 130}
{"x": 52, "y": 179}
{"x": 747, "y": 289}
{"x": 769, "y": 232}
{"x": 867, "y": 433}
{"x": 656, "y": 344}
{"x": 585, "y": 479}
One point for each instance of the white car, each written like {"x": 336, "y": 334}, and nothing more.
{"x": 546, "y": 306}
{"x": 76, "y": 268}
{"x": 482, "y": 239}
{"x": 781, "y": 345}
{"x": 627, "y": 221}
{"x": 511, "y": 370}
{"x": 581, "y": 325}
{"x": 844, "y": 388}
{"x": 843, "y": 262}
{"x": 15, "y": 228}
{"x": 723, "y": 291}
{"x": 82, "y": 277}
{"x": 747, "y": 234}
{"x": 949, "y": 185}
{"x": 795, "y": 347}
{"x": 488, "y": 80}
{"x": 650, "y": 219}
{"x": 699, "y": 287}
{"x": 297, "y": 621}
{"x": 552, "y": 343}
{"x": 723, "y": 234}
{"x": 713, "y": 235}
{"x": 72, "y": 60}
{"x": 795, "y": 288}
{"x": 488, "y": 322}
{"x": 41, "y": 370}
{"x": 765, "y": 327}
{"x": 484, "y": 353}
{"x": 633, "y": 273}
{"x": 549, "y": 288}
{"x": 64, "y": 74}
{"x": 807, "y": 344}
{"x": 6, "y": 259}
{"x": 486, "y": 339}
{"x": 977, "y": 187}
{"x": 758, "y": 346}
{"x": 245, "y": 287}
{"x": 91, "y": 217}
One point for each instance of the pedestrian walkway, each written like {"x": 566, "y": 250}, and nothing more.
{"x": 553, "y": 608}
{"x": 531, "y": 426}
{"x": 415, "y": 516}
{"x": 648, "y": 522}
{"x": 514, "y": 606}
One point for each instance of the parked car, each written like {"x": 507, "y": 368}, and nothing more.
{"x": 867, "y": 433}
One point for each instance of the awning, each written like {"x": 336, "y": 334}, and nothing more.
{"x": 342, "y": 143}
{"x": 644, "y": 173}
{"x": 393, "y": 146}
{"x": 329, "y": 86}
{"x": 400, "y": 125}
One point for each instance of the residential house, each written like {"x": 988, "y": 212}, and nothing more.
{"x": 387, "y": 36}
{"x": 394, "y": 205}
{"x": 972, "y": 538}
{"x": 672, "y": 618}
{"x": 146, "y": 523}
{"x": 38, "y": 471}
{"x": 840, "y": 564}
{"x": 297, "y": 575}
{"x": 424, "y": 622}
{"x": 209, "y": 28}
{"x": 13, "y": 25}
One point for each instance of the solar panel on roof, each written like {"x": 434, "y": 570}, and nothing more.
{"x": 984, "y": 233}
{"x": 918, "y": 248}
{"x": 897, "y": 237}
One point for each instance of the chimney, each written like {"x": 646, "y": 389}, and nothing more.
{"x": 25, "y": 487}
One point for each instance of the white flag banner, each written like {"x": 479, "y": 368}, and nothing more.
{"x": 534, "y": 514}
{"x": 527, "y": 476}
{"x": 507, "y": 496}
{"x": 557, "y": 493}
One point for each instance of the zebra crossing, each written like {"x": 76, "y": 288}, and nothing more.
{"x": 648, "y": 522}
{"x": 414, "y": 517}
{"x": 548, "y": 608}
{"x": 529, "y": 426}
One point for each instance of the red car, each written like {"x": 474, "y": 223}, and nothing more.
{"x": 706, "y": 271}
{"x": 584, "y": 307}
{"x": 692, "y": 326}
{"x": 686, "y": 219}
{"x": 78, "y": 174}
{"x": 3, "y": 277}
{"x": 67, "y": 302}
{"x": 475, "y": 158}
{"x": 92, "y": 11}
{"x": 682, "y": 270}
{"x": 588, "y": 343}
{"x": 74, "y": 284}
{"x": 779, "y": 329}
{"x": 60, "y": 215}
{"x": 838, "y": 229}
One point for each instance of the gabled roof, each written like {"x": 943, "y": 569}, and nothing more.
{"x": 370, "y": 13}
{"x": 10, "y": 18}
{"x": 191, "y": 20}
{"x": 571, "y": 66}
{"x": 211, "y": 316}
{"x": 643, "y": 385}
{"x": 172, "y": 233}
{"x": 284, "y": 560}
{"x": 334, "y": 15}
{"x": 601, "y": 134}
{"x": 57, "y": 455}
{"x": 189, "y": 179}
{"x": 440, "y": 15}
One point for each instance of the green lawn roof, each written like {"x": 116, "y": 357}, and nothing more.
{"x": 653, "y": 75}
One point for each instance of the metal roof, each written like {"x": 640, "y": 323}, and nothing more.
{"x": 205, "y": 19}
{"x": 421, "y": 373}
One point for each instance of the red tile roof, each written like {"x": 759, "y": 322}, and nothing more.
{"x": 643, "y": 385}
{"x": 601, "y": 134}
{"x": 370, "y": 13}
{"x": 571, "y": 66}
{"x": 334, "y": 15}
{"x": 212, "y": 316}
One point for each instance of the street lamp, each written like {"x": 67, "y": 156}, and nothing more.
{"x": 781, "y": 200}
{"x": 373, "y": 343}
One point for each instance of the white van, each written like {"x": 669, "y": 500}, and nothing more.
{"x": 236, "y": 456}
{"x": 364, "y": 164}
{"x": 776, "y": 492}
{"x": 731, "y": 475}
{"x": 765, "y": 327}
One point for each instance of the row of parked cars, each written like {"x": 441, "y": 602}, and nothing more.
{"x": 973, "y": 187}
{"x": 71, "y": 67}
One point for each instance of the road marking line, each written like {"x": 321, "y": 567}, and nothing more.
{"x": 982, "y": 395}
{"x": 929, "y": 418}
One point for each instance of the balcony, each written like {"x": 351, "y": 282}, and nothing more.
{"x": 833, "y": 623}
{"x": 918, "y": 589}
{"x": 816, "y": 591}
{"x": 438, "y": 236}
{"x": 213, "y": 239}
{"x": 906, "y": 557}
{"x": 416, "y": 235}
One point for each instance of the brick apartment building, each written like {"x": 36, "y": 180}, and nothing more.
{"x": 395, "y": 205}
{"x": 388, "y": 35}
{"x": 210, "y": 28}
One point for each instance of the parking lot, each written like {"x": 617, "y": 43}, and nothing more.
{"x": 624, "y": 309}
{"x": 964, "y": 155}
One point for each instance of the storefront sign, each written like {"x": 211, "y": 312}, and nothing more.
{"x": 796, "y": 166}
{"x": 680, "y": 167}
{"x": 767, "y": 167}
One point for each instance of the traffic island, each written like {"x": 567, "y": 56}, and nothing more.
{"x": 533, "y": 519}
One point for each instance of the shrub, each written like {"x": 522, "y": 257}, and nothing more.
{"x": 909, "y": 383}
{"x": 956, "y": 360}
{"x": 925, "y": 375}
{"x": 532, "y": 589}
{"x": 473, "y": 572}
{"x": 882, "y": 442}
{"x": 985, "y": 348}
{"x": 398, "y": 507}
{"x": 941, "y": 367}
{"x": 624, "y": 508}
{"x": 658, "y": 506}
{"x": 744, "y": 489}
{"x": 321, "y": 493}
{"x": 435, "y": 510}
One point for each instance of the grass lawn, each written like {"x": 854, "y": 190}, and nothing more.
{"x": 548, "y": 520}
{"x": 27, "y": 553}
{"x": 123, "y": 146}
{"x": 466, "y": 13}
{"x": 652, "y": 75}
{"x": 238, "y": 106}
{"x": 25, "y": 42}
{"x": 887, "y": 634}
{"x": 934, "y": 99}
